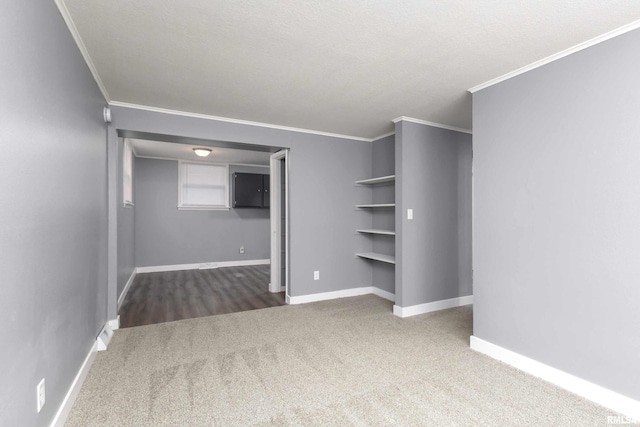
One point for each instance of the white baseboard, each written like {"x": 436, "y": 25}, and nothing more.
{"x": 76, "y": 385}
{"x": 201, "y": 265}
{"x": 383, "y": 294}
{"x": 114, "y": 324}
{"x": 323, "y": 296}
{"x": 123, "y": 294}
{"x": 345, "y": 293}
{"x": 432, "y": 306}
{"x": 600, "y": 395}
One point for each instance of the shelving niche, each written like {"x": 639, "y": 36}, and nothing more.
{"x": 373, "y": 207}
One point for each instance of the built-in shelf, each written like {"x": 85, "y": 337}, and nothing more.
{"x": 378, "y": 257}
{"x": 379, "y": 180}
{"x": 377, "y": 205}
{"x": 389, "y": 259}
{"x": 383, "y": 232}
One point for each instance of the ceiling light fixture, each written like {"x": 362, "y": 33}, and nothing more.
{"x": 202, "y": 152}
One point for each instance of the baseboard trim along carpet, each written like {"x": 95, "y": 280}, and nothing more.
{"x": 70, "y": 398}
{"x": 114, "y": 324}
{"x": 201, "y": 265}
{"x": 123, "y": 294}
{"x": 432, "y": 306}
{"x": 595, "y": 393}
{"x": 345, "y": 293}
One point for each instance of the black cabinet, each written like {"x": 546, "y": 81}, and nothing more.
{"x": 250, "y": 190}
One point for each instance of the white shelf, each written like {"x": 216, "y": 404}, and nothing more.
{"x": 377, "y": 205}
{"x": 378, "y": 180}
{"x": 383, "y": 232}
{"x": 378, "y": 257}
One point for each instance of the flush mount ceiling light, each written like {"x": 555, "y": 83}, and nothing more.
{"x": 202, "y": 152}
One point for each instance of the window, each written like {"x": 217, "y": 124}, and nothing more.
{"x": 127, "y": 174}
{"x": 203, "y": 186}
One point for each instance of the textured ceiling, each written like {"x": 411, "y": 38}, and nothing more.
{"x": 346, "y": 67}
{"x": 168, "y": 150}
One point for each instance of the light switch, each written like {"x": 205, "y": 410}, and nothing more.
{"x": 409, "y": 213}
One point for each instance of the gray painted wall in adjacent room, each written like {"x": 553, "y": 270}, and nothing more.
{"x": 52, "y": 212}
{"x": 433, "y": 177}
{"x": 165, "y": 235}
{"x": 383, "y": 154}
{"x": 126, "y": 229}
{"x": 557, "y": 198}
{"x": 322, "y": 192}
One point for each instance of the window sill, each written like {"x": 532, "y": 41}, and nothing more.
{"x": 127, "y": 204}
{"x": 203, "y": 208}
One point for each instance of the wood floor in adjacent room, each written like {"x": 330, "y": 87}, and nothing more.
{"x": 177, "y": 295}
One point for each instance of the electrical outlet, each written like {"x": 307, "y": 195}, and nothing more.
{"x": 40, "y": 395}
{"x": 316, "y": 275}
{"x": 409, "y": 213}
{"x": 241, "y": 249}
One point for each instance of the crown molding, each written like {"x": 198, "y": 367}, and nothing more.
{"x": 66, "y": 16}
{"x": 594, "y": 41}
{"x": 384, "y": 135}
{"x": 435, "y": 125}
{"x": 236, "y": 121}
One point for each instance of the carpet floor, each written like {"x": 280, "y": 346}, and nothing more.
{"x": 342, "y": 362}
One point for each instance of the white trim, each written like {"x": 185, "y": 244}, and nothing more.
{"x": 275, "y": 219}
{"x": 237, "y": 121}
{"x": 81, "y": 46}
{"x": 581, "y": 46}
{"x": 432, "y": 306}
{"x": 345, "y": 293}
{"x": 127, "y": 172}
{"x": 427, "y": 123}
{"x": 123, "y": 294}
{"x": 133, "y": 148}
{"x": 600, "y": 395}
{"x": 384, "y": 135}
{"x": 114, "y": 324}
{"x": 201, "y": 265}
{"x": 104, "y": 337}
{"x": 67, "y": 403}
{"x": 383, "y": 294}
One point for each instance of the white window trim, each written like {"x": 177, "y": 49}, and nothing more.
{"x": 127, "y": 149}
{"x": 182, "y": 207}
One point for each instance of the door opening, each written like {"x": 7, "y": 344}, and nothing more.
{"x": 280, "y": 223}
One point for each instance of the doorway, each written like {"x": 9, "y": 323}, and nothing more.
{"x": 181, "y": 273}
{"x": 280, "y": 223}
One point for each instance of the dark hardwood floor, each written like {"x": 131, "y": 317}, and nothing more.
{"x": 176, "y": 295}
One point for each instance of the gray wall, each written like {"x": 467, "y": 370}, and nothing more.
{"x": 557, "y": 202}
{"x": 126, "y": 236}
{"x": 433, "y": 177}
{"x": 322, "y": 193}
{"x": 165, "y": 235}
{"x": 383, "y": 163}
{"x": 52, "y": 211}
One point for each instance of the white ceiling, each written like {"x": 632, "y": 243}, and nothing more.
{"x": 346, "y": 67}
{"x": 169, "y": 150}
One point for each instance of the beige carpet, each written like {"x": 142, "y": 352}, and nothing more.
{"x": 340, "y": 362}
